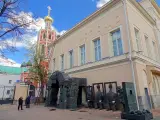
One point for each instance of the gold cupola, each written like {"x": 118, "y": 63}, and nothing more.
{"x": 48, "y": 18}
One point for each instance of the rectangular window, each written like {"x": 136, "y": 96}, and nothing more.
{"x": 147, "y": 46}
{"x": 154, "y": 50}
{"x": 10, "y": 81}
{"x": 71, "y": 58}
{"x": 97, "y": 50}
{"x": 8, "y": 92}
{"x": 137, "y": 36}
{"x": 43, "y": 50}
{"x": 62, "y": 62}
{"x": 117, "y": 43}
{"x": 83, "y": 54}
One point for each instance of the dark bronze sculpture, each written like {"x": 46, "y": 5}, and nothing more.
{"x": 89, "y": 97}
{"x": 99, "y": 98}
{"x": 69, "y": 88}
{"x": 111, "y": 99}
{"x": 131, "y": 111}
{"x": 120, "y": 99}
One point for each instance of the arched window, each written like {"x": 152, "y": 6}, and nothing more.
{"x": 49, "y": 36}
{"x": 44, "y": 36}
{"x": 42, "y": 50}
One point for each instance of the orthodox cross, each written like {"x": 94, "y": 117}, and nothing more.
{"x": 49, "y": 10}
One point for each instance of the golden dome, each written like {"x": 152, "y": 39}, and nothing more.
{"x": 48, "y": 18}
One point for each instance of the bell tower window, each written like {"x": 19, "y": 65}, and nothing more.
{"x": 49, "y": 36}
{"x": 44, "y": 36}
{"x": 43, "y": 50}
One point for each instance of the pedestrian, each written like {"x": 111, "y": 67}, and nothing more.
{"x": 20, "y": 103}
{"x": 28, "y": 102}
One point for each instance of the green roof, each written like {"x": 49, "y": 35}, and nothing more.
{"x": 11, "y": 70}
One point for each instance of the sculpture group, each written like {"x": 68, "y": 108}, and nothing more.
{"x": 101, "y": 100}
{"x": 66, "y": 93}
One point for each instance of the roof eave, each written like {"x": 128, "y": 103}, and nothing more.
{"x": 155, "y": 6}
{"x": 86, "y": 20}
{"x": 96, "y": 13}
{"x": 143, "y": 11}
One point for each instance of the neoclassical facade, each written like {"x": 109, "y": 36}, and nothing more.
{"x": 119, "y": 42}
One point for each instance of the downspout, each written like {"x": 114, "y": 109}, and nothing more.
{"x": 130, "y": 51}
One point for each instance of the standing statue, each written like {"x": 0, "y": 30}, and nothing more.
{"x": 89, "y": 97}
{"x": 111, "y": 99}
{"x": 120, "y": 99}
{"x": 54, "y": 93}
{"x": 99, "y": 98}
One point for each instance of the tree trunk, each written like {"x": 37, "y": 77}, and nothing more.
{"x": 41, "y": 93}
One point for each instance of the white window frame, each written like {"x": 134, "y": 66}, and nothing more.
{"x": 98, "y": 39}
{"x": 138, "y": 40}
{"x": 84, "y": 54}
{"x": 71, "y": 60}
{"x": 111, "y": 34}
{"x": 147, "y": 45}
{"x": 154, "y": 50}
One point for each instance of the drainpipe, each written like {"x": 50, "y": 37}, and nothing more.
{"x": 130, "y": 50}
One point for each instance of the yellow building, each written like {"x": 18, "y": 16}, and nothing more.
{"x": 118, "y": 42}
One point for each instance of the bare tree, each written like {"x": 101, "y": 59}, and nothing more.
{"x": 38, "y": 72}
{"x": 13, "y": 24}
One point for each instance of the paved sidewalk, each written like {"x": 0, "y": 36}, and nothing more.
{"x": 156, "y": 114}
{"x": 10, "y": 112}
{"x": 42, "y": 113}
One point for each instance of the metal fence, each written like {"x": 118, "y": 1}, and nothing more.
{"x": 7, "y": 94}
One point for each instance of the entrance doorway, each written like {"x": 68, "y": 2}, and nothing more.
{"x": 32, "y": 90}
{"x": 147, "y": 97}
{"x": 54, "y": 94}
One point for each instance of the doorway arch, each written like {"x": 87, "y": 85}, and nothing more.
{"x": 53, "y": 85}
{"x": 146, "y": 91}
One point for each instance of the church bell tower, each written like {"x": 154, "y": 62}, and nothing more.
{"x": 46, "y": 36}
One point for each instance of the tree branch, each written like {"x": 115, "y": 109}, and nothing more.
{"x": 14, "y": 28}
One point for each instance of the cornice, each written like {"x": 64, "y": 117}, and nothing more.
{"x": 103, "y": 63}
{"x": 143, "y": 11}
{"x": 101, "y": 10}
{"x": 155, "y": 6}
{"x": 145, "y": 59}
{"x": 88, "y": 19}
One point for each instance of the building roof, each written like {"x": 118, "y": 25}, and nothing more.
{"x": 155, "y": 6}
{"x": 98, "y": 12}
{"x": 10, "y": 70}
